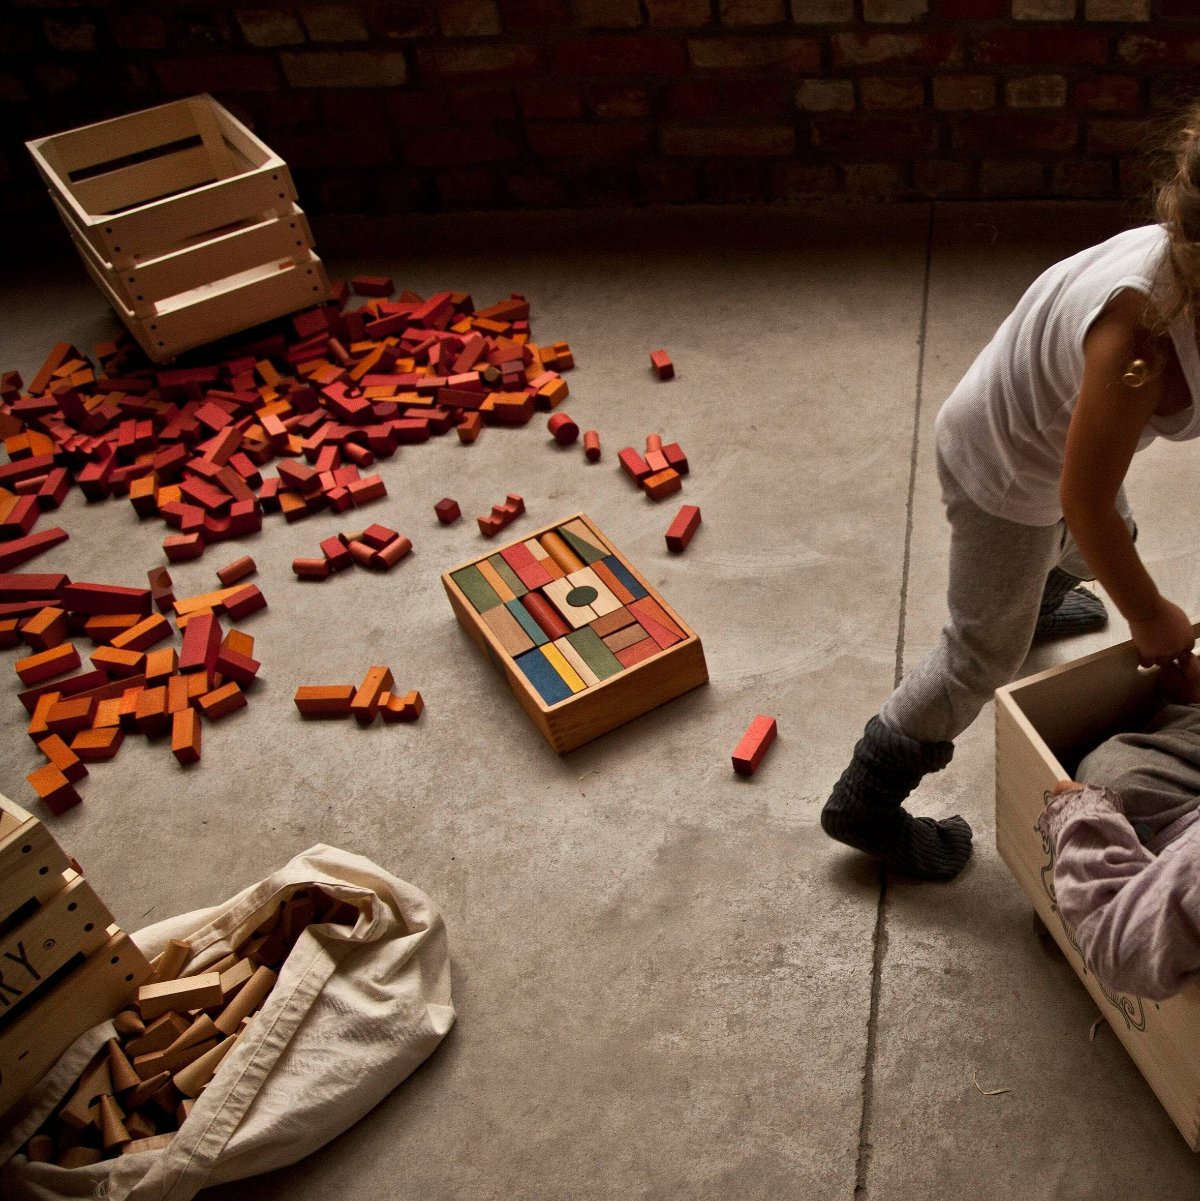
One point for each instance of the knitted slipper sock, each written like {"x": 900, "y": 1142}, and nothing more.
{"x": 1067, "y": 609}
{"x": 864, "y": 810}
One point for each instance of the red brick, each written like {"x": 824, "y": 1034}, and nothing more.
{"x": 678, "y": 14}
{"x": 550, "y": 101}
{"x": 875, "y": 179}
{"x": 614, "y": 100}
{"x": 329, "y": 146}
{"x": 822, "y": 12}
{"x": 691, "y": 98}
{"x": 1142, "y": 50}
{"x": 964, "y": 91}
{"x": 745, "y": 53}
{"x": 346, "y": 69}
{"x": 1038, "y": 47}
{"x": 468, "y": 189}
{"x": 468, "y": 18}
{"x": 402, "y": 19}
{"x": 800, "y": 181}
{"x": 1043, "y": 10}
{"x": 1118, "y": 10}
{"x": 1036, "y": 91}
{"x": 479, "y": 62}
{"x": 752, "y": 12}
{"x": 1120, "y": 137}
{"x": 218, "y": 73}
{"x": 607, "y": 14}
{"x": 751, "y": 141}
{"x": 621, "y": 56}
{"x": 755, "y": 97}
{"x": 416, "y": 108}
{"x": 894, "y": 12}
{"x": 269, "y": 27}
{"x": 490, "y": 104}
{"x": 578, "y": 140}
{"x": 734, "y": 183}
{"x": 1011, "y": 177}
{"x": 825, "y": 95}
{"x": 1084, "y": 177}
{"x": 1108, "y": 92}
{"x": 522, "y": 15}
{"x": 334, "y": 23}
{"x": 899, "y": 91}
{"x": 138, "y": 31}
{"x": 72, "y": 35}
{"x": 1014, "y": 133}
{"x": 973, "y": 10}
{"x": 668, "y": 183}
{"x": 896, "y": 49}
{"x": 874, "y": 136}
{"x": 941, "y": 177}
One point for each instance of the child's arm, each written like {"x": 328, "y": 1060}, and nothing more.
{"x": 1135, "y": 917}
{"x": 1105, "y": 427}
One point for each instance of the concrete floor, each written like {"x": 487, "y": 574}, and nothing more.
{"x": 669, "y": 983}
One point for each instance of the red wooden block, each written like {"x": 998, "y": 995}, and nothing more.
{"x": 239, "y": 569}
{"x": 469, "y": 428}
{"x": 311, "y": 569}
{"x": 661, "y": 362}
{"x": 21, "y": 550}
{"x": 633, "y": 464}
{"x": 368, "y": 489}
{"x": 17, "y": 586}
{"x": 63, "y": 757}
{"x": 105, "y": 598}
{"x": 378, "y": 536}
{"x": 562, "y": 429}
{"x": 371, "y": 285}
{"x": 681, "y": 530}
{"x": 336, "y": 554}
{"x": 754, "y": 745}
{"x": 365, "y": 704}
{"x": 180, "y": 547}
{"x": 201, "y": 643}
{"x": 244, "y": 602}
{"x": 447, "y": 510}
{"x": 236, "y": 666}
{"x": 676, "y": 459}
{"x": 45, "y": 629}
{"x": 93, "y": 746}
{"x": 529, "y": 570}
{"x": 390, "y": 555}
{"x": 630, "y": 656}
{"x": 71, "y": 714}
{"x": 591, "y": 446}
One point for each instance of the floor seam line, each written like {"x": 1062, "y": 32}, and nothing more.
{"x": 879, "y": 939}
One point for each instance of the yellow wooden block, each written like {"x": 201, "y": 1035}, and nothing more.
{"x": 570, "y": 676}
{"x": 573, "y": 657}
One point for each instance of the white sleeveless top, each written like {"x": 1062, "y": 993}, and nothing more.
{"x": 1003, "y": 430}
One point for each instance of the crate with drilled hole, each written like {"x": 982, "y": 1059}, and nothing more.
{"x": 1045, "y": 724}
{"x": 64, "y": 965}
{"x": 187, "y": 222}
{"x": 583, "y": 640}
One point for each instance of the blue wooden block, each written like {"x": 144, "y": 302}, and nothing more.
{"x": 618, "y": 569}
{"x": 551, "y": 687}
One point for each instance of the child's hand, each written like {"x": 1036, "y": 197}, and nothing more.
{"x": 1066, "y": 786}
{"x": 1180, "y": 681}
{"x": 1164, "y": 637}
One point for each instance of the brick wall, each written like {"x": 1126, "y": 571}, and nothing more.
{"x": 439, "y": 104}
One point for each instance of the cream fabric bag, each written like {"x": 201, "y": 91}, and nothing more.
{"x": 353, "y": 1013}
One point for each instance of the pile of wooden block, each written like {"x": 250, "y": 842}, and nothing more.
{"x": 373, "y": 697}
{"x": 135, "y": 683}
{"x": 378, "y": 548}
{"x": 659, "y": 471}
{"x": 66, "y": 966}
{"x": 140, "y": 1088}
{"x": 328, "y": 394}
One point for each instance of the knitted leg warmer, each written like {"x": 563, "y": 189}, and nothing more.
{"x": 1067, "y": 609}
{"x": 864, "y": 810}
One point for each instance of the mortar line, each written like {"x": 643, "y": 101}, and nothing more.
{"x": 879, "y": 941}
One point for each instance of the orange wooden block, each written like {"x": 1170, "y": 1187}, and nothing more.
{"x": 178, "y": 694}
{"x": 63, "y": 757}
{"x": 150, "y": 711}
{"x": 365, "y": 704}
{"x": 147, "y": 633}
{"x": 71, "y": 714}
{"x": 104, "y": 627}
{"x": 45, "y": 629}
{"x": 108, "y": 713}
{"x": 37, "y": 723}
{"x": 222, "y": 701}
{"x": 118, "y": 662}
{"x": 161, "y": 664}
{"x": 98, "y": 744}
{"x": 325, "y": 700}
{"x": 53, "y": 788}
{"x": 239, "y": 643}
{"x": 662, "y": 483}
{"x": 395, "y": 708}
{"x": 185, "y": 736}
{"x": 44, "y": 665}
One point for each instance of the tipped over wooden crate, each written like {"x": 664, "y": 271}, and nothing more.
{"x": 185, "y": 220}
{"x": 1045, "y": 724}
{"x": 66, "y": 967}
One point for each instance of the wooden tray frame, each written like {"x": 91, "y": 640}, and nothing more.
{"x": 612, "y": 702}
{"x": 1044, "y": 725}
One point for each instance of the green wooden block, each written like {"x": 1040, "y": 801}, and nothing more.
{"x": 507, "y": 574}
{"x": 594, "y": 653}
{"x": 526, "y": 622}
{"x": 478, "y": 591}
{"x": 586, "y": 550}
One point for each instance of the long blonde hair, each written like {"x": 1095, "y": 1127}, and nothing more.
{"x": 1177, "y": 207}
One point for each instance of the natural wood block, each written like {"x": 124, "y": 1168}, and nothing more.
{"x": 1045, "y": 724}
{"x": 191, "y": 992}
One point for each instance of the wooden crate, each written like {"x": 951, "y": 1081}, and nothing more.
{"x": 611, "y": 701}
{"x": 185, "y": 220}
{"x": 65, "y": 965}
{"x": 1044, "y": 725}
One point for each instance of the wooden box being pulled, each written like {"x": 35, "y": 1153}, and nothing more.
{"x": 186, "y": 221}
{"x": 65, "y": 966}
{"x": 612, "y": 686}
{"x": 1044, "y": 725}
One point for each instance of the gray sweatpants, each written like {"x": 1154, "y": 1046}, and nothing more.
{"x": 998, "y": 570}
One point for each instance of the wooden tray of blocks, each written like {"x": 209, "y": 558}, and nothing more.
{"x": 65, "y": 966}
{"x": 1045, "y": 724}
{"x": 585, "y": 643}
{"x": 186, "y": 221}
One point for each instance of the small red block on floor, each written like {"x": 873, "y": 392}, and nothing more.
{"x": 754, "y": 745}
{"x": 447, "y": 510}
{"x": 562, "y": 429}
{"x": 661, "y": 362}
{"x": 681, "y": 530}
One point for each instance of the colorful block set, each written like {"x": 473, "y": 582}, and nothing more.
{"x": 585, "y": 643}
